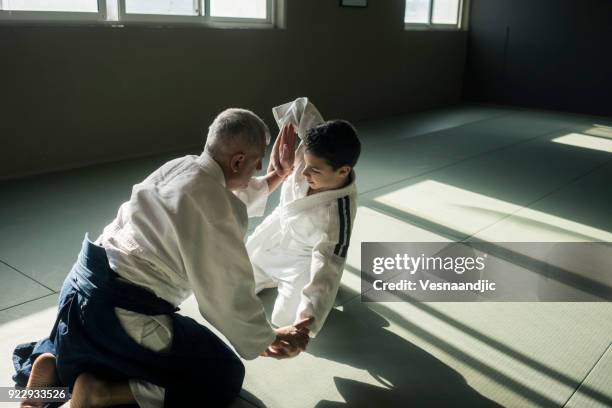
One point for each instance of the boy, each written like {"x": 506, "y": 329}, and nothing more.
{"x": 301, "y": 247}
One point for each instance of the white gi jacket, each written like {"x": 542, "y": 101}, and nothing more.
{"x": 182, "y": 232}
{"x": 301, "y": 247}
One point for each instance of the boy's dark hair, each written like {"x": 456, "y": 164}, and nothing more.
{"x": 335, "y": 141}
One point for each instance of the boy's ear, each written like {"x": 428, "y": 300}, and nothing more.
{"x": 344, "y": 171}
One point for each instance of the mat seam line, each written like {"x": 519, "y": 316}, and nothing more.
{"x": 27, "y": 301}
{"x": 467, "y": 158}
{"x": 586, "y": 376}
{"x": 572, "y": 181}
{"x": 27, "y": 276}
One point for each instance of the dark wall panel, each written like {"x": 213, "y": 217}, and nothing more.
{"x": 552, "y": 54}
{"x": 72, "y": 96}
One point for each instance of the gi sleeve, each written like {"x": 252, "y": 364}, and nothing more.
{"x": 255, "y": 196}
{"x": 301, "y": 113}
{"x": 221, "y": 277}
{"x": 326, "y": 267}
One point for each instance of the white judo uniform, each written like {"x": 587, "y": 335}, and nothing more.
{"x": 301, "y": 247}
{"x": 181, "y": 233}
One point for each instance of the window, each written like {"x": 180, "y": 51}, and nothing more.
{"x": 207, "y": 12}
{"x": 443, "y": 14}
{"x": 45, "y": 5}
{"x": 223, "y": 13}
{"x": 238, "y": 8}
{"x": 162, "y": 7}
{"x": 51, "y": 10}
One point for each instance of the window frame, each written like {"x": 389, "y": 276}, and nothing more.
{"x": 274, "y": 17}
{"x": 202, "y": 19}
{"x": 462, "y": 19}
{"x": 55, "y": 16}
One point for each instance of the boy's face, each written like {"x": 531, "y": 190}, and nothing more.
{"x": 321, "y": 176}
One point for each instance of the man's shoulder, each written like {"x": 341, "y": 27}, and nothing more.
{"x": 183, "y": 179}
{"x": 186, "y": 174}
{"x": 168, "y": 171}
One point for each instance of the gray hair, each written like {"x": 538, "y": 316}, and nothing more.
{"x": 236, "y": 129}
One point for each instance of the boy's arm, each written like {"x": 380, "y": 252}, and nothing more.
{"x": 326, "y": 267}
{"x": 319, "y": 295}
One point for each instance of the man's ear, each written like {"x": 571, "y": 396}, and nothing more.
{"x": 237, "y": 161}
{"x": 344, "y": 171}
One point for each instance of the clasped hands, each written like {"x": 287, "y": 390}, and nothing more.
{"x": 283, "y": 152}
{"x": 290, "y": 340}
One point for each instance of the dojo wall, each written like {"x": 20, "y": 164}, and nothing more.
{"x": 73, "y": 96}
{"x": 556, "y": 54}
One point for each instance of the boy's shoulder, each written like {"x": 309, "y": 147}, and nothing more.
{"x": 334, "y": 214}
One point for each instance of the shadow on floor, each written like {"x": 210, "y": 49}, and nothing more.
{"x": 406, "y": 374}
{"x": 484, "y": 338}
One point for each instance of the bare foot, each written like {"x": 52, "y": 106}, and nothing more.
{"x": 43, "y": 372}
{"x": 42, "y": 375}
{"x": 91, "y": 391}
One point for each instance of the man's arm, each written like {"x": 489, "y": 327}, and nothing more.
{"x": 255, "y": 195}
{"x": 283, "y": 156}
{"x": 221, "y": 276}
{"x": 219, "y": 272}
{"x": 273, "y": 180}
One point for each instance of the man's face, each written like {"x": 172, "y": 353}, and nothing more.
{"x": 320, "y": 175}
{"x": 251, "y": 164}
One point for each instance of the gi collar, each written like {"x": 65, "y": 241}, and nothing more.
{"x": 306, "y": 202}
{"x": 211, "y": 167}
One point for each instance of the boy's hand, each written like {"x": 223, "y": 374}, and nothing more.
{"x": 283, "y": 152}
{"x": 275, "y": 352}
{"x": 290, "y": 340}
{"x": 303, "y": 324}
{"x": 295, "y": 335}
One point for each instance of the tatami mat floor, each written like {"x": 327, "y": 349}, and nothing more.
{"x": 467, "y": 172}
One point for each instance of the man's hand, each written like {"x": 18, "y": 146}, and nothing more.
{"x": 283, "y": 152}
{"x": 290, "y": 340}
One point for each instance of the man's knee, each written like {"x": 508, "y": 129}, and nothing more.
{"x": 235, "y": 375}
{"x": 221, "y": 383}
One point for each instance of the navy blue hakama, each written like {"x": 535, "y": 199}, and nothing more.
{"x": 88, "y": 337}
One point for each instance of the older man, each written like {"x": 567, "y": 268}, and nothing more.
{"x": 117, "y": 338}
